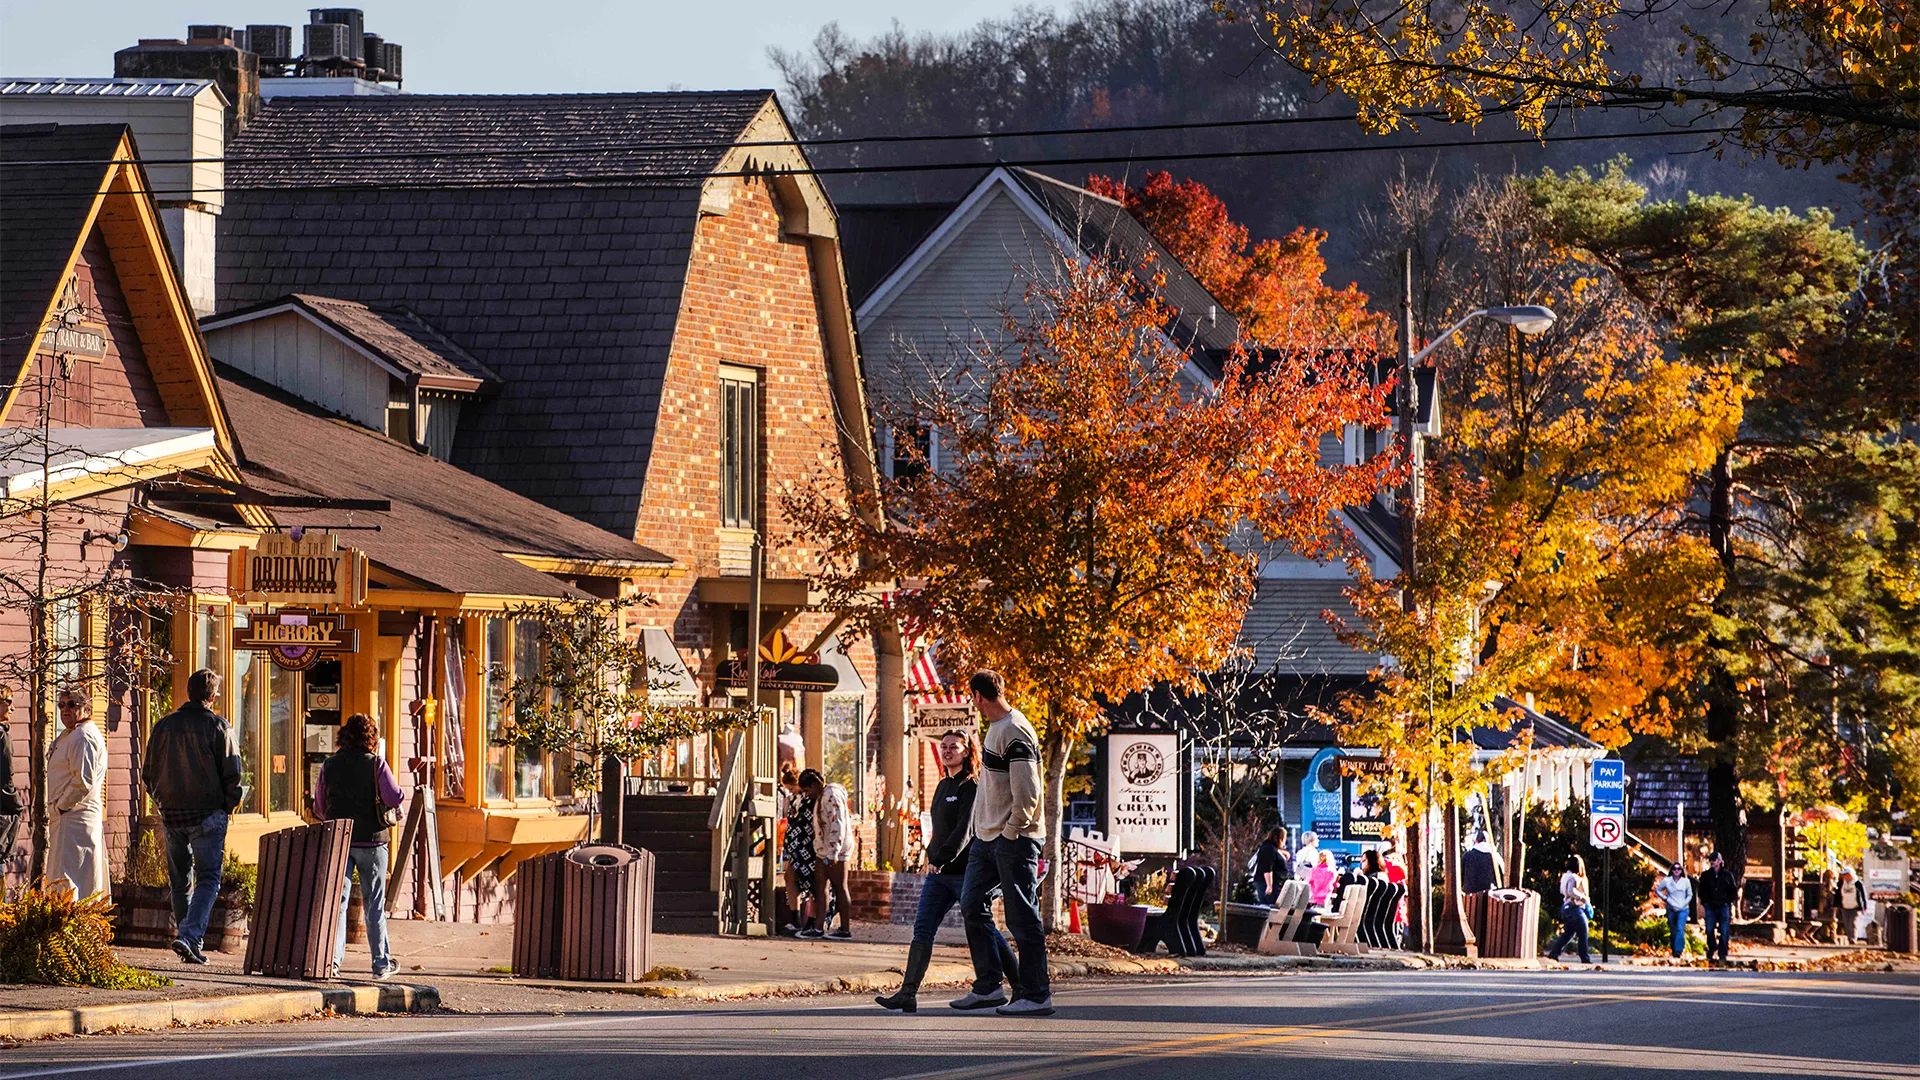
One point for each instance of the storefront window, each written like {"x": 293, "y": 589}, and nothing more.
{"x": 246, "y": 693}
{"x": 840, "y": 738}
{"x": 68, "y": 654}
{"x": 283, "y": 738}
{"x": 495, "y": 666}
{"x": 529, "y": 770}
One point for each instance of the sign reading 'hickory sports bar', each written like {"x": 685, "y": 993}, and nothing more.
{"x": 311, "y": 570}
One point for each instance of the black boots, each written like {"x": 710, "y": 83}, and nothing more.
{"x": 906, "y": 999}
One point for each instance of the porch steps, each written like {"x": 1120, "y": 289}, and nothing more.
{"x": 674, "y": 828}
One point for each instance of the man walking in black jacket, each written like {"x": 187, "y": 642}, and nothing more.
{"x": 192, "y": 771}
{"x": 1718, "y": 893}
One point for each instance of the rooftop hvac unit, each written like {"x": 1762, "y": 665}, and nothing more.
{"x": 327, "y": 41}
{"x": 370, "y": 51}
{"x": 209, "y": 31}
{"x": 270, "y": 42}
{"x": 352, "y": 18}
{"x": 390, "y": 61}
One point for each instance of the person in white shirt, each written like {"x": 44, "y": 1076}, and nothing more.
{"x": 832, "y": 846}
{"x": 1676, "y": 892}
{"x": 1574, "y": 898}
{"x": 76, "y": 793}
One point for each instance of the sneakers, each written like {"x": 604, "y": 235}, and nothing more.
{"x": 188, "y": 952}
{"x": 386, "y": 973}
{"x": 977, "y": 1000}
{"x": 1028, "y": 1007}
{"x": 844, "y": 933}
{"x": 810, "y": 932}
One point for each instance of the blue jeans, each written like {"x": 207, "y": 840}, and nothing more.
{"x": 1677, "y": 923}
{"x": 1573, "y": 927}
{"x": 1012, "y": 866}
{"x": 372, "y": 864}
{"x": 937, "y": 897}
{"x": 1719, "y": 924}
{"x": 194, "y": 855}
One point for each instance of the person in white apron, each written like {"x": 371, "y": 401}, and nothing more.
{"x": 77, "y": 794}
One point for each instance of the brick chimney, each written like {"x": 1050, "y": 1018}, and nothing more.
{"x": 236, "y": 71}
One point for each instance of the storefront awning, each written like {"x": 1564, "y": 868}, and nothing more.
{"x": 834, "y": 655}
{"x": 666, "y": 666}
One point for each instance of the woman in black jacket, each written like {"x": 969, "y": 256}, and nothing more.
{"x": 946, "y": 869}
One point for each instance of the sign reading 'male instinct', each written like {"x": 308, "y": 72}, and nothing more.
{"x": 311, "y": 570}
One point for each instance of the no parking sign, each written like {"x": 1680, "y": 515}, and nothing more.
{"x": 1606, "y": 830}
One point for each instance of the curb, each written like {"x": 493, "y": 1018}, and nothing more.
{"x": 235, "y": 1008}
{"x": 862, "y": 982}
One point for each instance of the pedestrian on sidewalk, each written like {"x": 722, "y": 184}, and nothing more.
{"x": 192, "y": 772}
{"x": 946, "y": 873}
{"x": 355, "y": 784}
{"x": 1008, "y": 832}
{"x": 796, "y": 848}
{"x": 1271, "y": 866}
{"x": 1718, "y": 893}
{"x": 1676, "y": 892}
{"x": 1848, "y": 904}
{"x": 1574, "y": 898}
{"x": 77, "y": 794}
{"x": 832, "y": 847}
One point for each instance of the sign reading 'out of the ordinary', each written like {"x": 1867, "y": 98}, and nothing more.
{"x": 1143, "y": 793}
{"x": 311, "y": 570}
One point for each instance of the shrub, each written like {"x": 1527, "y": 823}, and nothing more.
{"x": 147, "y": 862}
{"x": 240, "y": 877}
{"x": 50, "y": 937}
{"x": 1551, "y": 837}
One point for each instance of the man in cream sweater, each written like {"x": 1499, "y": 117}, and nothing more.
{"x": 1008, "y": 831}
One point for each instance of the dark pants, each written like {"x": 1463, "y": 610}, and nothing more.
{"x": 1573, "y": 927}
{"x": 1012, "y": 866}
{"x": 937, "y": 897}
{"x": 194, "y": 854}
{"x": 1719, "y": 924}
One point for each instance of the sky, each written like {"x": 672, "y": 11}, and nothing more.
{"x": 493, "y": 46}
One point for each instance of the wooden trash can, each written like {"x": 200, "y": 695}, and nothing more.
{"x": 537, "y": 911}
{"x": 607, "y": 921}
{"x": 1513, "y": 925}
{"x": 1900, "y": 929}
{"x": 1474, "y": 906}
{"x": 296, "y": 905}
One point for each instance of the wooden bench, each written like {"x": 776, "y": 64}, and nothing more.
{"x": 1343, "y": 927}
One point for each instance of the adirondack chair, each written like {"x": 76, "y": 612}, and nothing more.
{"x": 1178, "y": 924}
{"x": 1343, "y": 927}
{"x": 1289, "y": 911}
{"x": 1376, "y": 920}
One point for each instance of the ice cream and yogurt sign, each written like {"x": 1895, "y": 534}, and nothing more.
{"x": 1143, "y": 794}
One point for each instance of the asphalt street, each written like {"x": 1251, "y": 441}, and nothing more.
{"x": 1424, "y": 1025}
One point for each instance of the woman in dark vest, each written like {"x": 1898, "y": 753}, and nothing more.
{"x": 356, "y": 785}
{"x": 946, "y": 854}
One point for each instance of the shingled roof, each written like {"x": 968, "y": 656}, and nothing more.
{"x": 409, "y": 344}
{"x": 448, "y": 530}
{"x": 1101, "y": 226}
{"x": 41, "y": 226}
{"x": 551, "y": 242}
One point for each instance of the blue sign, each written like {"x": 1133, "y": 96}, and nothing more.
{"x": 1607, "y": 786}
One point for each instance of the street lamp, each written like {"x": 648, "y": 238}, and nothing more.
{"x": 1527, "y": 319}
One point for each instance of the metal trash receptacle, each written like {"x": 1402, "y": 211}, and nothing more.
{"x": 296, "y": 903}
{"x": 1513, "y": 925}
{"x": 1901, "y": 929}
{"x": 537, "y": 911}
{"x": 607, "y": 920}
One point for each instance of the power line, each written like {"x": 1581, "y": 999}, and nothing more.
{"x": 675, "y": 178}
{"x": 578, "y": 149}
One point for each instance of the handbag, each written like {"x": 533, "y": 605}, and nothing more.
{"x": 393, "y": 815}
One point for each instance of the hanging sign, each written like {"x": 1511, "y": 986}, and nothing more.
{"x": 782, "y": 667}
{"x": 1143, "y": 793}
{"x": 311, "y": 570}
{"x": 1363, "y": 799}
{"x": 296, "y": 640}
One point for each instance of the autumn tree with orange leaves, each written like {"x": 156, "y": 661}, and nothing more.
{"x": 1273, "y": 287}
{"x": 1084, "y": 533}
